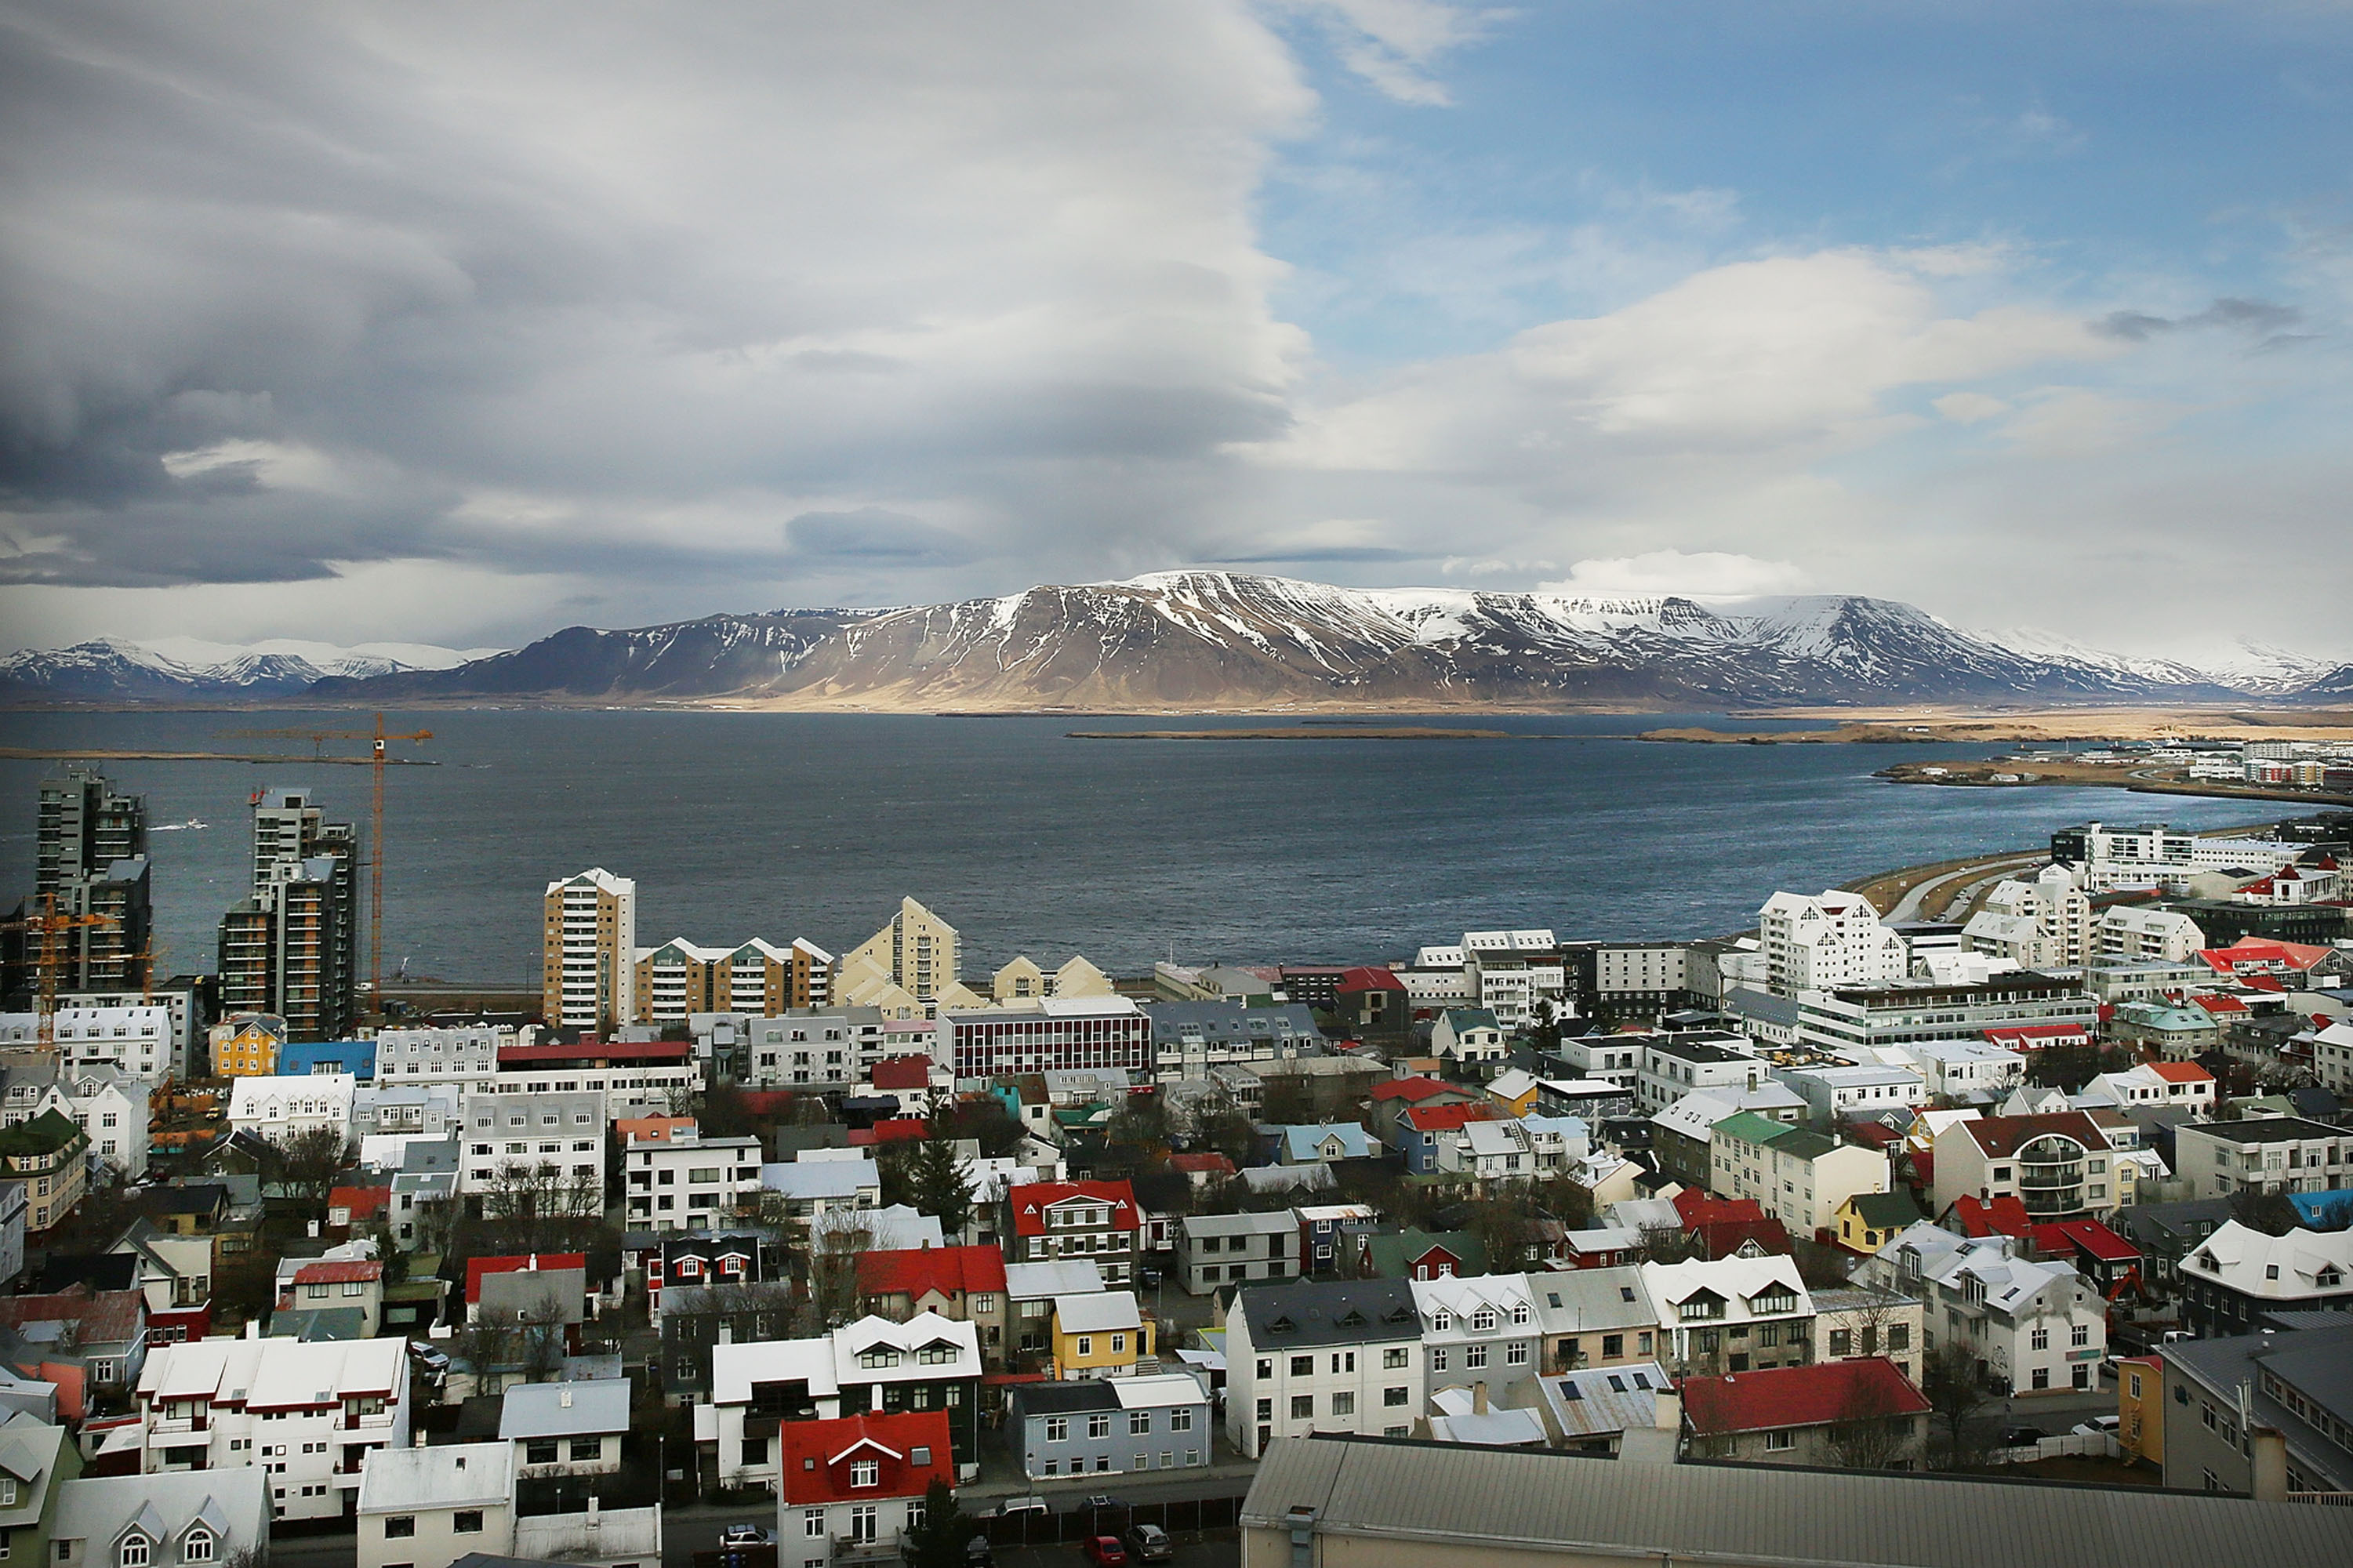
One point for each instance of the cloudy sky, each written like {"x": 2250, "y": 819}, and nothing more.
{"x": 456, "y": 323}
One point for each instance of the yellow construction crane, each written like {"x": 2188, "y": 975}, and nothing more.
{"x": 49, "y": 925}
{"x": 319, "y": 739}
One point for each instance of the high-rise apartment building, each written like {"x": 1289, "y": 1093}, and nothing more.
{"x": 1821, "y": 943}
{"x": 588, "y": 974}
{"x": 292, "y": 948}
{"x": 908, "y": 964}
{"x": 90, "y": 858}
{"x": 759, "y": 979}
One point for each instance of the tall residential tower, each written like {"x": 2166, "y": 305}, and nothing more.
{"x": 292, "y": 948}
{"x": 90, "y": 858}
{"x": 588, "y": 978}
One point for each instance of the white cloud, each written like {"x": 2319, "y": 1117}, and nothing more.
{"x": 1393, "y": 44}
{"x": 1706, "y": 574}
{"x": 1969, "y": 407}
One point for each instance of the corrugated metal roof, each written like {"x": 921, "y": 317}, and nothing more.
{"x": 1759, "y": 1514}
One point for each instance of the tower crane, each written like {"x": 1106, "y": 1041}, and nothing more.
{"x": 319, "y": 739}
{"x": 48, "y": 926}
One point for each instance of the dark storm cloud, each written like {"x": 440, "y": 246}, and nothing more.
{"x": 2256, "y": 318}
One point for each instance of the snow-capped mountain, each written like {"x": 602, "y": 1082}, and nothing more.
{"x": 112, "y": 670}
{"x": 1209, "y": 640}
{"x": 1227, "y": 639}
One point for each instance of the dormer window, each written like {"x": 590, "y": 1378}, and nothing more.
{"x": 1442, "y": 1320}
{"x": 1484, "y": 1321}
{"x": 865, "y": 1472}
{"x": 197, "y": 1546}
{"x": 133, "y": 1552}
{"x": 1520, "y": 1315}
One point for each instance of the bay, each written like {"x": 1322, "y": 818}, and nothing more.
{"x": 741, "y": 824}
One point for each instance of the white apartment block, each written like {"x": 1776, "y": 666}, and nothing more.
{"x": 141, "y": 1041}
{"x": 630, "y": 1088}
{"x": 590, "y": 978}
{"x": 1615, "y": 1058}
{"x": 468, "y": 1057}
{"x": 1508, "y": 970}
{"x": 278, "y": 1108}
{"x": 548, "y": 1147}
{"x": 425, "y": 1507}
{"x": 2045, "y": 923}
{"x": 2165, "y": 936}
{"x": 1858, "y": 1022}
{"x": 818, "y": 1047}
{"x": 179, "y": 1003}
{"x": 688, "y": 1183}
{"x": 112, "y": 1107}
{"x": 2156, "y": 856}
{"x": 2272, "y": 1153}
{"x": 1674, "y": 1067}
{"x": 1823, "y": 942}
{"x": 305, "y": 1414}
{"x": 1962, "y": 1069}
{"x": 1338, "y": 1356}
{"x": 1831, "y": 1092}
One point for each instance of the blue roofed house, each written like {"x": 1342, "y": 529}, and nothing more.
{"x": 1320, "y": 1143}
{"x": 356, "y": 1057}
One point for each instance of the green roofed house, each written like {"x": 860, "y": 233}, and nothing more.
{"x": 36, "y": 1460}
{"x": 1470, "y": 1037}
{"x": 1869, "y": 1221}
{"x": 49, "y": 1157}
{"x": 1423, "y": 1255}
{"x": 1796, "y": 1175}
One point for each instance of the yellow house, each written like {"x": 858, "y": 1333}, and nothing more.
{"x": 1869, "y": 1221}
{"x": 1515, "y": 1088}
{"x": 246, "y": 1046}
{"x": 1100, "y": 1334}
{"x": 2140, "y": 1408}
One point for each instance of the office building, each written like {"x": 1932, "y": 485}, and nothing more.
{"x": 588, "y": 970}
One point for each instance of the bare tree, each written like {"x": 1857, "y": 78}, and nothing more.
{"x": 835, "y": 1241}
{"x": 1949, "y": 1379}
{"x": 1668, "y": 1244}
{"x": 1872, "y": 1433}
{"x": 306, "y": 1163}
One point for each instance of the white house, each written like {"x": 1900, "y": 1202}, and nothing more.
{"x": 2163, "y": 935}
{"x": 1963, "y": 1069}
{"x": 1471, "y": 1036}
{"x": 1823, "y": 942}
{"x": 545, "y": 1148}
{"x": 1831, "y": 1092}
{"x": 1731, "y": 1315}
{"x": 304, "y": 1413}
{"x": 2034, "y": 1326}
{"x": 140, "y": 1040}
{"x": 281, "y": 1109}
{"x": 111, "y": 1106}
{"x": 1479, "y": 1331}
{"x": 166, "y": 1520}
{"x": 690, "y": 1181}
{"x": 425, "y": 1507}
{"x": 1327, "y": 1356}
{"x": 2146, "y": 1085}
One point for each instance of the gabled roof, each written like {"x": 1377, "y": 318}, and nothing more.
{"x": 479, "y": 1268}
{"x": 1343, "y": 1311}
{"x": 914, "y": 1271}
{"x": 2002, "y": 1136}
{"x": 340, "y": 1271}
{"x": 564, "y": 1409}
{"x": 1788, "y": 1396}
{"x": 1030, "y": 1201}
{"x": 2180, "y": 1072}
{"x": 1203, "y": 1164}
{"x": 1416, "y": 1089}
{"x": 1448, "y": 1118}
{"x": 818, "y": 1455}
{"x": 1884, "y": 1211}
{"x": 903, "y": 1072}
{"x": 1972, "y": 1216}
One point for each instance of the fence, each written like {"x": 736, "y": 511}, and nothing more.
{"x": 2082, "y": 1445}
{"x": 1188, "y": 1516}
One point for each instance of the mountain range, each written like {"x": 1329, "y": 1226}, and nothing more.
{"x": 1219, "y": 640}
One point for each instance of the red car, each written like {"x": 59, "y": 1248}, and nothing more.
{"x": 1106, "y": 1549}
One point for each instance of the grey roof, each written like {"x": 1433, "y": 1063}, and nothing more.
{"x": 309, "y": 1324}
{"x": 233, "y": 1501}
{"x": 1329, "y": 1312}
{"x": 2317, "y": 1362}
{"x": 2267, "y": 1129}
{"x": 1274, "y": 1224}
{"x": 1735, "y": 1513}
{"x": 1590, "y": 1300}
{"x": 564, "y": 1410}
{"x": 1230, "y": 1023}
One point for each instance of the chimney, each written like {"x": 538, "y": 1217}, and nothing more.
{"x": 564, "y": 1398}
{"x": 1479, "y": 1397}
{"x": 2271, "y": 1464}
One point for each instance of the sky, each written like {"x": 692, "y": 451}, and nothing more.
{"x": 454, "y": 324}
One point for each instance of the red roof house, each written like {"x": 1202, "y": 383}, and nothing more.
{"x": 2037, "y": 1037}
{"x": 1973, "y": 1216}
{"x": 872, "y": 1461}
{"x": 1720, "y": 1227}
{"x": 1072, "y": 1219}
{"x": 940, "y": 1279}
{"x": 1788, "y": 1413}
{"x": 901, "y": 1073}
{"x": 478, "y": 1268}
{"x": 1418, "y": 1090}
{"x": 897, "y": 1130}
{"x": 357, "y": 1206}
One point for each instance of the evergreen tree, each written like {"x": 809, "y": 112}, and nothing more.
{"x": 938, "y": 1178}
{"x": 939, "y": 1541}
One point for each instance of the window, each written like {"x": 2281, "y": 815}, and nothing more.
{"x": 1086, "y": 1344}
{"x": 1180, "y": 1420}
{"x": 396, "y": 1527}
{"x": 541, "y": 1451}
{"x": 1343, "y": 1404}
{"x": 1393, "y": 1397}
{"x": 2080, "y": 1335}
{"x": 1899, "y": 1336}
{"x": 1842, "y": 1343}
{"x": 588, "y": 1449}
{"x": 1396, "y": 1356}
{"x": 1138, "y": 1422}
{"x": 865, "y": 1472}
{"x": 2039, "y": 1339}
{"x": 1515, "y": 1354}
{"x": 813, "y": 1522}
{"x": 1438, "y": 1359}
{"x": 1302, "y": 1366}
{"x": 467, "y": 1522}
{"x": 1781, "y": 1441}
{"x": 1302, "y": 1407}
{"x": 1099, "y": 1424}
{"x": 1058, "y": 1429}
{"x": 1474, "y": 1357}
{"x": 197, "y": 1546}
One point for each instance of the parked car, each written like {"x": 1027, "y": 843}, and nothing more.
{"x": 1105, "y": 1551}
{"x": 978, "y": 1553}
{"x": 1014, "y": 1505}
{"x": 742, "y": 1535}
{"x": 428, "y": 1357}
{"x": 1150, "y": 1544}
{"x": 1147, "y": 1274}
{"x": 2099, "y": 1424}
{"x": 2020, "y": 1436}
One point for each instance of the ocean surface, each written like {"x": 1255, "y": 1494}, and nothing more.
{"x": 778, "y": 826}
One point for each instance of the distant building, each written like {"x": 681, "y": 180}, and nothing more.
{"x": 590, "y": 941}
{"x": 1825, "y": 942}
{"x": 291, "y": 948}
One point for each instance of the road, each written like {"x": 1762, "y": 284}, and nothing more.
{"x": 1908, "y": 907}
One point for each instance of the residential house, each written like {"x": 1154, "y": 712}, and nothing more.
{"x": 813, "y": 1188}
{"x": 2164, "y": 1234}
{"x": 2271, "y": 1153}
{"x": 1324, "y": 1231}
{"x": 1731, "y": 1315}
{"x": 1515, "y": 1091}
{"x": 425, "y": 1507}
{"x": 1100, "y": 1334}
{"x": 1217, "y": 1250}
{"x": 246, "y": 1044}
{"x": 1591, "y": 1412}
{"x": 111, "y": 1107}
{"x": 1320, "y": 1143}
{"x": 1675, "y": 1066}
{"x": 1963, "y": 1069}
{"x": 1808, "y": 1414}
{"x": 37, "y": 1460}
{"x": 1191, "y": 1038}
{"x": 874, "y": 1365}
{"x": 688, "y": 1181}
{"x": 86, "y": 1342}
{"x": 1853, "y": 1323}
{"x": 1814, "y": 943}
{"x": 2032, "y": 1325}
{"x": 963, "y": 1284}
{"x": 1794, "y": 1173}
{"x": 311, "y": 1284}
{"x": 1470, "y": 1037}
{"x": 2061, "y": 1166}
{"x": 569, "y": 1428}
{"x": 1866, "y": 1222}
{"x": 543, "y": 1152}
{"x": 1594, "y": 1317}
{"x": 46, "y": 1160}
{"x": 2238, "y": 1274}
{"x": 169, "y": 1521}
{"x": 1030, "y": 1291}
{"x": 1682, "y": 1136}
{"x": 1323, "y": 1356}
{"x": 1429, "y": 1136}
{"x": 1411, "y": 1253}
{"x": 2150, "y": 1086}
{"x": 1479, "y": 1334}
{"x": 2233, "y": 1407}
{"x": 1122, "y": 1426}
{"x": 279, "y": 1110}
{"x": 695, "y": 1261}
{"x": 854, "y": 1485}
{"x": 1727, "y": 1227}
{"x": 306, "y": 1415}
{"x": 1095, "y": 1220}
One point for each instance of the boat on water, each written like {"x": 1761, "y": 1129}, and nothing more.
{"x": 176, "y": 826}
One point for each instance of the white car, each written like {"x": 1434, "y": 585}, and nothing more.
{"x": 2099, "y": 1426}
